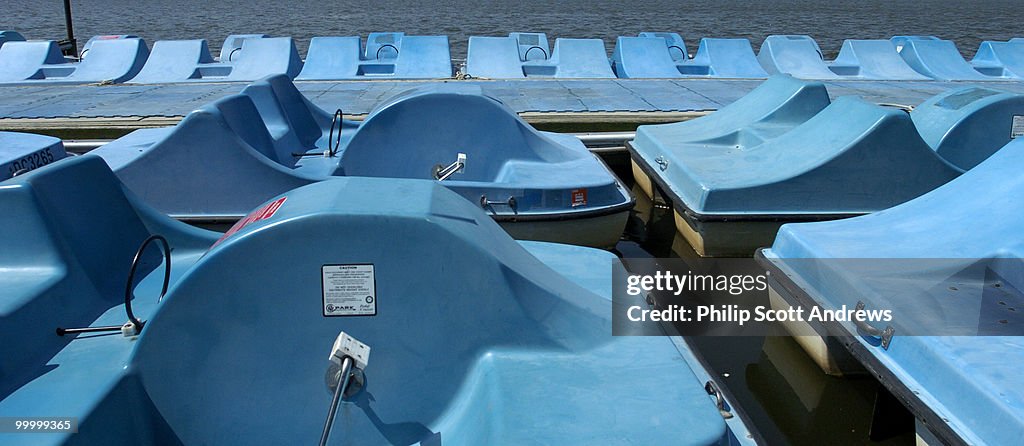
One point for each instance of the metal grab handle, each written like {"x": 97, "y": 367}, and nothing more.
{"x": 526, "y": 55}
{"x": 21, "y": 171}
{"x": 385, "y": 46}
{"x": 442, "y": 172}
{"x": 343, "y": 378}
{"x": 511, "y": 202}
{"x": 885, "y": 334}
{"x": 712, "y": 389}
{"x": 134, "y": 321}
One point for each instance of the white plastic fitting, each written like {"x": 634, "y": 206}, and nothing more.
{"x": 346, "y": 345}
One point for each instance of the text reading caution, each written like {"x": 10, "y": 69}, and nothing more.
{"x": 349, "y": 290}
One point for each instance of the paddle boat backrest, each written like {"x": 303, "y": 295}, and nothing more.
{"x": 259, "y": 58}
{"x": 1002, "y": 59}
{"x": 967, "y": 125}
{"x": 649, "y": 55}
{"x": 245, "y": 122}
{"x": 73, "y": 233}
{"x": 440, "y": 122}
{"x": 796, "y": 55}
{"x": 21, "y": 60}
{"x": 180, "y": 60}
{"x": 872, "y": 59}
{"x": 92, "y": 40}
{"x": 532, "y": 46}
{"x": 673, "y": 42}
{"x": 936, "y": 58}
{"x": 113, "y": 60}
{"x": 294, "y": 123}
{"x": 230, "y": 50}
{"x": 724, "y": 58}
{"x": 10, "y": 36}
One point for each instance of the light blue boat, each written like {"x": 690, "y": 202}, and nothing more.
{"x": 663, "y": 55}
{"x": 522, "y": 55}
{"x": 948, "y": 266}
{"x": 940, "y": 59}
{"x": 801, "y": 57}
{"x": 243, "y": 57}
{"x": 109, "y": 60}
{"x": 1000, "y": 59}
{"x": 475, "y": 338}
{"x": 385, "y": 56}
{"x": 783, "y": 153}
{"x": 231, "y": 155}
{"x": 21, "y": 153}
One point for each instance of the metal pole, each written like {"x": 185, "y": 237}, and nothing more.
{"x": 346, "y": 370}
{"x": 70, "y": 27}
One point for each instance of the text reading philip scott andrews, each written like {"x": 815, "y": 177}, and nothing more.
{"x": 735, "y": 285}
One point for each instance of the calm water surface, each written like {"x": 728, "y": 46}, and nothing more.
{"x": 966, "y": 23}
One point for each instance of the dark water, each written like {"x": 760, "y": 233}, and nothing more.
{"x": 966, "y": 23}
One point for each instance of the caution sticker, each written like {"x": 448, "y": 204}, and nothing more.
{"x": 349, "y": 290}
{"x": 1017, "y": 127}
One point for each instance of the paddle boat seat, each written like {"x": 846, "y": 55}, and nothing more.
{"x": 937, "y": 59}
{"x": 663, "y": 55}
{"x": 1000, "y": 59}
{"x": 733, "y": 184}
{"x": 947, "y": 265}
{"x": 386, "y": 56}
{"x": 271, "y": 139}
{"x": 77, "y": 232}
{"x": 190, "y": 61}
{"x": 522, "y": 55}
{"x": 41, "y": 61}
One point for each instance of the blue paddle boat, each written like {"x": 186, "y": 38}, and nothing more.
{"x": 784, "y": 153}
{"x": 354, "y": 311}
{"x": 947, "y": 265}
{"x": 24, "y": 152}
{"x": 227, "y": 157}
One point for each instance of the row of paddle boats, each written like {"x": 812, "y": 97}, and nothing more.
{"x": 394, "y": 55}
{"x": 428, "y": 257}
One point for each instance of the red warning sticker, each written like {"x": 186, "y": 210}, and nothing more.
{"x": 262, "y": 213}
{"x": 579, "y": 197}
